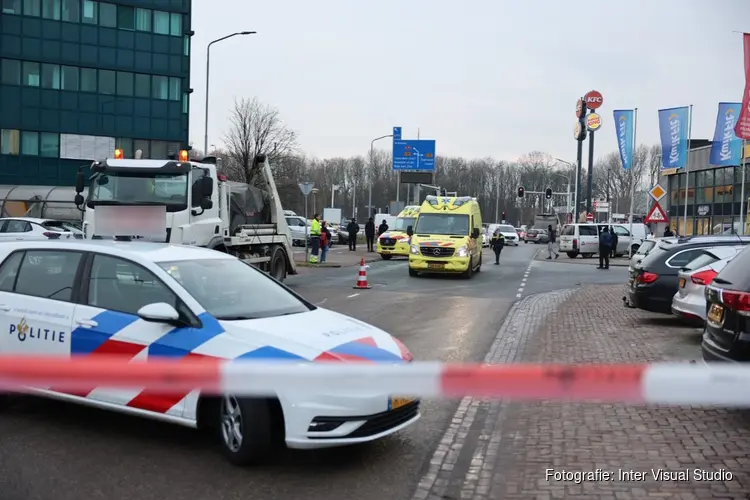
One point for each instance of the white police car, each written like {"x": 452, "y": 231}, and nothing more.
{"x": 146, "y": 300}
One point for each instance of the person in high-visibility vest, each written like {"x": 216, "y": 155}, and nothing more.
{"x": 315, "y": 238}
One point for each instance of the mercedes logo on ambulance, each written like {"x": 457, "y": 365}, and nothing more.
{"x": 436, "y": 252}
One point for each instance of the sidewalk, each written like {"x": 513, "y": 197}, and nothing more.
{"x": 593, "y": 261}
{"x": 339, "y": 256}
{"x": 515, "y": 450}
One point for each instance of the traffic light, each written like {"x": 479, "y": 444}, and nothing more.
{"x": 503, "y": 214}
{"x": 521, "y": 191}
{"x": 548, "y": 193}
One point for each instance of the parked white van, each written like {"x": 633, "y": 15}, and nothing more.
{"x": 579, "y": 239}
{"x": 641, "y": 232}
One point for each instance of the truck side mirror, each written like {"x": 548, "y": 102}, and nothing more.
{"x": 475, "y": 233}
{"x": 207, "y": 186}
{"x": 79, "y": 183}
{"x": 410, "y": 230}
{"x": 78, "y": 199}
{"x": 207, "y": 204}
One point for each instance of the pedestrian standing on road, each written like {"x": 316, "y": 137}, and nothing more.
{"x": 614, "y": 241}
{"x": 605, "y": 247}
{"x": 325, "y": 241}
{"x": 383, "y": 227}
{"x": 668, "y": 232}
{"x": 353, "y": 229}
{"x": 370, "y": 235}
{"x": 551, "y": 243}
{"x": 497, "y": 243}
{"x": 315, "y": 238}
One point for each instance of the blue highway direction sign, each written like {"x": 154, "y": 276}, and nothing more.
{"x": 396, "y": 133}
{"x": 413, "y": 155}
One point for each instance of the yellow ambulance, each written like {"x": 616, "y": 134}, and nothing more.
{"x": 446, "y": 237}
{"x": 395, "y": 241}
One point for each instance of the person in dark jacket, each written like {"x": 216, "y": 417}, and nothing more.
{"x": 551, "y": 243}
{"x": 614, "y": 241}
{"x": 497, "y": 243}
{"x": 353, "y": 229}
{"x": 383, "y": 227}
{"x": 605, "y": 248}
{"x": 370, "y": 234}
{"x": 668, "y": 232}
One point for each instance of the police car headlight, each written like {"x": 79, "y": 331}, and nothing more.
{"x": 414, "y": 249}
{"x": 462, "y": 251}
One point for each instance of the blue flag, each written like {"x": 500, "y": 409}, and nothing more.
{"x": 624, "y": 124}
{"x": 673, "y": 128}
{"x": 726, "y": 148}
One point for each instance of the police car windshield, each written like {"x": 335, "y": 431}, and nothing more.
{"x": 453, "y": 224}
{"x": 229, "y": 289}
{"x": 125, "y": 188}
{"x": 403, "y": 222}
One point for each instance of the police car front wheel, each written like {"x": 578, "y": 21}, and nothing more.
{"x": 244, "y": 429}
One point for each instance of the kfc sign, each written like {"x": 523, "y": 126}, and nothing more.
{"x": 593, "y": 99}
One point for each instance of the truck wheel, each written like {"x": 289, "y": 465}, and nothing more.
{"x": 572, "y": 255}
{"x": 244, "y": 429}
{"x": 386, "y": 257}
{"x": 277, "y": 264}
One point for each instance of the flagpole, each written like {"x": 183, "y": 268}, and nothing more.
{"x": 687, "y": 169}
{"x": 632, "y": 178}
{"x": 742, "y": 189}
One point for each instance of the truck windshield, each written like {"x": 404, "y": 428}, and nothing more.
{"x": 402, "y": 223}
{"x": 114, "y": 188}
{"x": 453, "y": 224}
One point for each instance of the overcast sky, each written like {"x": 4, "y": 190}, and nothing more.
{"x": 483, "y": 78}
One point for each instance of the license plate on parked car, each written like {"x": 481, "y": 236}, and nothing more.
{"x": 716, "y": 313}
{"x": 682, "y": 282}
{"x": 435, "y": 265}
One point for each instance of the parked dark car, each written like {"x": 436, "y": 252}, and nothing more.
{"x": 654, "y": 281}
{"x": 727, "y": 333}
{"x": 536, "y": 236}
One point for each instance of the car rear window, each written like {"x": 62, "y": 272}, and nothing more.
{"x": 588, "y": 230}
{"x": 645, "y": 247}
{"x": 736, "y": 274}
{"x": 703, "y": 259}
{"x": 568, "y": 231}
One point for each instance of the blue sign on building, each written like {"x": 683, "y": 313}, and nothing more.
{"x": 413, "y": 154}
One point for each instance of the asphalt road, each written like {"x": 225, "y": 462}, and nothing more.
{"x": 51, "y": 450}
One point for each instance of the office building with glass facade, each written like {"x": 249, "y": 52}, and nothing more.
{"x": 714, "y": 195}
{"x": 79, "y": 78}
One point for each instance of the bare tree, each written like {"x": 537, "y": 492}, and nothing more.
{"x": 256, "y": 128}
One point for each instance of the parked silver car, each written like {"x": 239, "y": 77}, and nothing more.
{"x": 689, "y": 303}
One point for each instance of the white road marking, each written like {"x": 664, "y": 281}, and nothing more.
{"x": 524, "y": 279}
{"x": 352, "y": 296}
{"x": 321, "y": 302}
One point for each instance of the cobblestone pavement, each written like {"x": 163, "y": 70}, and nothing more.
{"x": 514, "y": 450}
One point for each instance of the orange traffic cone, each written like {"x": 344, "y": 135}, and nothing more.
{"x": 362, "y": 278}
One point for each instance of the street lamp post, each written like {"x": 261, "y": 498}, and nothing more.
{"x": 208, "y": 72}
{"x": 574, "y": 213}
{"x": 369, "y": 176}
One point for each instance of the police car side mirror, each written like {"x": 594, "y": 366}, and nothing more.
{"x": 159, "y": 312}
{"x": 409, "y": 230}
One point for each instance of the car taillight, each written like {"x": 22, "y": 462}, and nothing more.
{"x": 575, "y": 244}
{"x": 738, "y": 301}
{"x": 52, "y": 236}
{"x": 704, "y": 277}
{"x": 646, "y": 277}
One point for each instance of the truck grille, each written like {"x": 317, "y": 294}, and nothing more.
{"x": 437, "y": 251}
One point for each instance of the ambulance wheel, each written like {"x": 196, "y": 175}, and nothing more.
{"x": 277, "y": 264}
{"x": 386, "y": 257}
{"x": 244, "y": 429}
{"x": 479, "y": 267}
{"x": 468, "y": 273}
{"x": 413, "y": 273}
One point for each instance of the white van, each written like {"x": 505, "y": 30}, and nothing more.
{"x": 641, "y": 232}
{"x": 579, "y": 239}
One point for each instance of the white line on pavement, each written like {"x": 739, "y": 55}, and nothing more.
{"x": 352, "y": 296}
{"x": 321, "y": 302}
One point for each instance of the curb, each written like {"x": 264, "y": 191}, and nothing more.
{"x": 579, "y": 261}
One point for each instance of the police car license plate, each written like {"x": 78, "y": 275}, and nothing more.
{"x": 716, "y": 313}
{"x": 682, "y": 282}
{"x": 397, "y": 403}
{"x": 435, "y": 265}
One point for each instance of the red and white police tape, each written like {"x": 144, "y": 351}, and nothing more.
{"x": 660, "y": 383}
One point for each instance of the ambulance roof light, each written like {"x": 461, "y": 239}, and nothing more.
{"x": 184, "y": 155}
{"x": 118, "y": 154}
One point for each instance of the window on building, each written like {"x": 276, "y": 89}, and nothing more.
{"x": 31, "y": 74}
{"x": 51, "y": 9}
{"x": 11, "y": 72}
{"x": 143, "y": 146}
{"x": 30, "y": 143}
{"x": 143, "y": 19}
{"x": 107, "y": 15}
{"x": 71, "y": 10}
{"x": 12, "y": 7}
{"x": 175, "y": 24}
{"x": 186, "y": 46}
{"x": 125, "y": 17}
{"x": 160, "y": 87}
{"x": 142, "y": 85}
{"x": 50, "y": 76}
{"x": 9, "y": 142}
{"x": 107, "y": 83}
{"x": 69, "y": 78}
{"x": 124, "y": 83}
{"x": 175, "y": 89}
{"x": 158, "y": 150}
{"x": 90, "y": 14}
{"x": 173, "y": 148}
{"x": 32, "y": 8}
{"x": 185, "y": 102}
{"x": 161, "y": 22}
{"x": 50, "y": 145}
{"x": 126, "y": 145}
{"x": 88, "y": 80}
